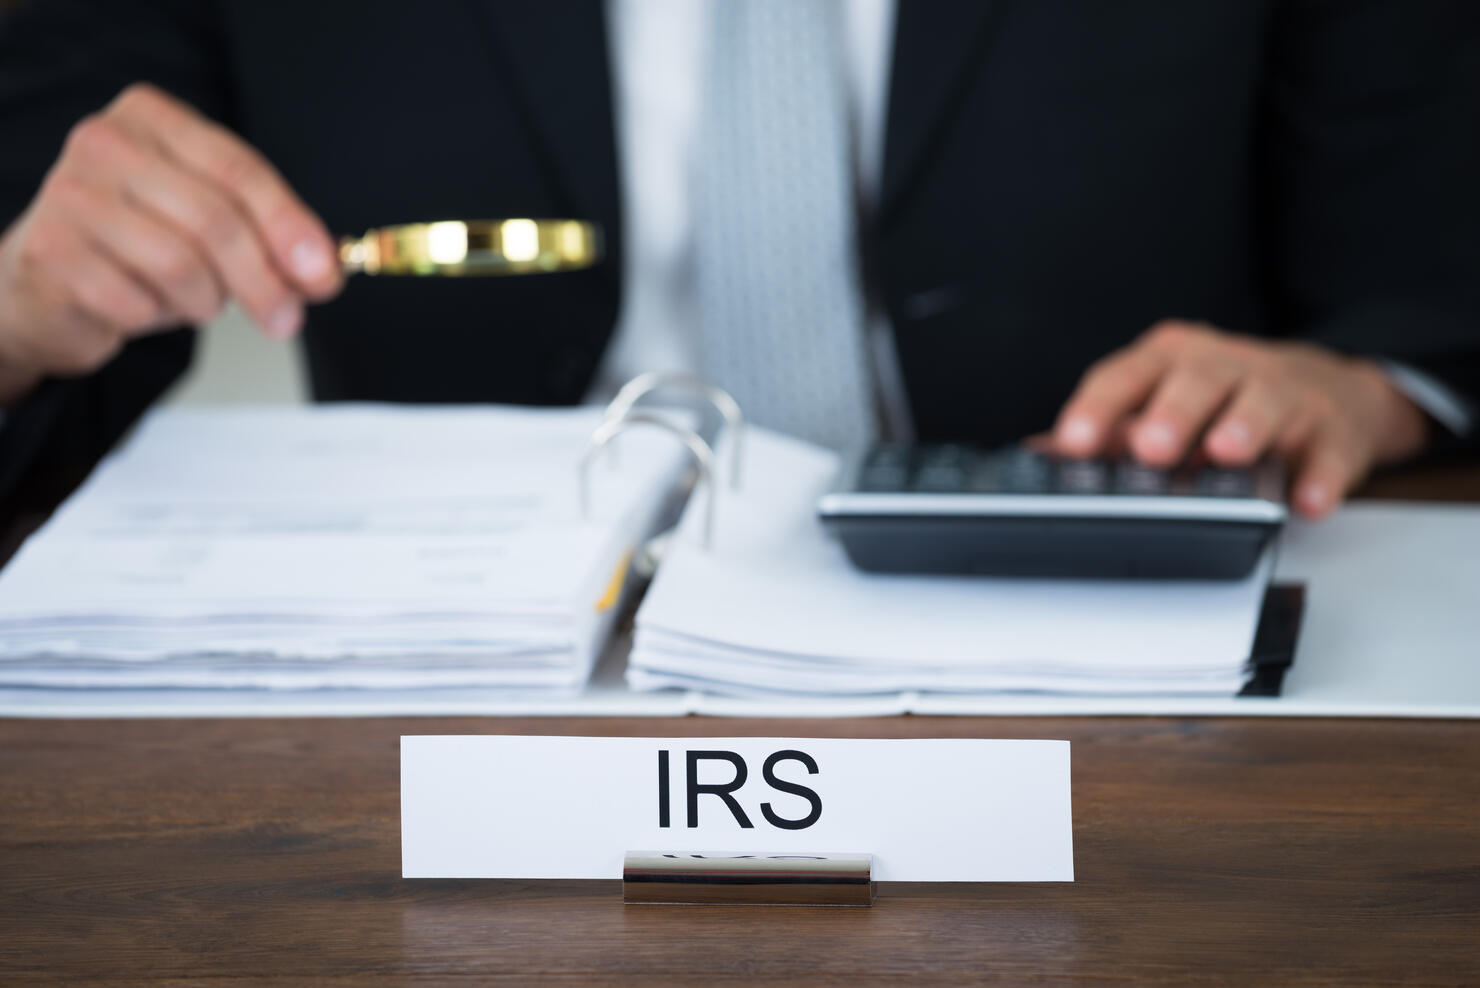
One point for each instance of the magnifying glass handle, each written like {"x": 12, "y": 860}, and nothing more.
{"x": 352, "y": 254}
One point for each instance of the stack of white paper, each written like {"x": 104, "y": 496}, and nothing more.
{"x": 773, "y": 606}
{"x": 349, "y": 546}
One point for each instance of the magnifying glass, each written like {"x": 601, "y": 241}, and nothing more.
{"x": 473, "y": 247}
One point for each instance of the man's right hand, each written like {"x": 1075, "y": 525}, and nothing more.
{"x": 153, "y": 217}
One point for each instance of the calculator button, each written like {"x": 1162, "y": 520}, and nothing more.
{"x": 886, "y": 469}
{"x": 895, "y": 456}
{"x": 1083, "y": 476}
{"x": 1022, "y": 472}
{"x": 1134, "y": 478}
{"x": 883, "y": 479}
{"x": 1215, "y": 482}
{"x": 940, "y": 480}
{"x": 983, "y": 475}
{"x": 944, "y": 469}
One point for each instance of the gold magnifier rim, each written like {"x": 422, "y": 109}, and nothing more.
{"x": 460, "y": 248}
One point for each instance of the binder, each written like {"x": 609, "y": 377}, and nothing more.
{"x": 657, "y": 659}
{"x": 346, "y": 547}
{"x": 493, "y": 653}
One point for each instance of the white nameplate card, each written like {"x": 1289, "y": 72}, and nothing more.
{"x": 478, "y": 806}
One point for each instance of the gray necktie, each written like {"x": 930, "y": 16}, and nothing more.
{"x": 780, "y": 311}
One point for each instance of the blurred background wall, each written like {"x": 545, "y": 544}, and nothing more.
{"x": 235, "y": 364}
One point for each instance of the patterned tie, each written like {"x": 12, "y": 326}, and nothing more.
{"x": 780, "y": 310}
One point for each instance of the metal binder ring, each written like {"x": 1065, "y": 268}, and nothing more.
{"x": 645, "y": 384}
{"x": 703, "y": 458}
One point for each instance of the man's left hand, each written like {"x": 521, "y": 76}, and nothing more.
{"x": 1183, "y": 385}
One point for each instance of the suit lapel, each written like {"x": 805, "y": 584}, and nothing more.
{"x": 554, "y": 54}
{"x": 935, "y": 41}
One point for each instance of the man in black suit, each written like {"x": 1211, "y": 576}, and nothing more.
{"x": 1254, "y": 221}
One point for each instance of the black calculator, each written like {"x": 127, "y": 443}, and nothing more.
{"x": 956, "y": 509}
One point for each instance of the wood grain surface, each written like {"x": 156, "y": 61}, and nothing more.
{"x": 1241, "y": 850}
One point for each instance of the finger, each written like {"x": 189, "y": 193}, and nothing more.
{"x": 1183, "y": 404}
{"x": 1039, "y": 442}
{"x": 297, "y": 241}
{"x": 236, "y": 254}
{"x": 1294, "y": 435}
{"x": 1250, "y": 424}
{"x": 1112, "y": 389}
{"x": 99, "y": 303}
{"x": 109, "y": 297}
{"x": 108, "y": 154}
{"x": 1332, "y": 464}
{"x": 170, "y": 265}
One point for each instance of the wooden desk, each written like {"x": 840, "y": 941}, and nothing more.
{"x": 1261, "y": 852}
{"x": 1253, "y": 851}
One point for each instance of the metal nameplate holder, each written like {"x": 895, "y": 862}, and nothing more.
{"x": 659, "y": 878}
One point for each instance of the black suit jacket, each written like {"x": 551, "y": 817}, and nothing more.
{"x": 1059, "y": 174}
